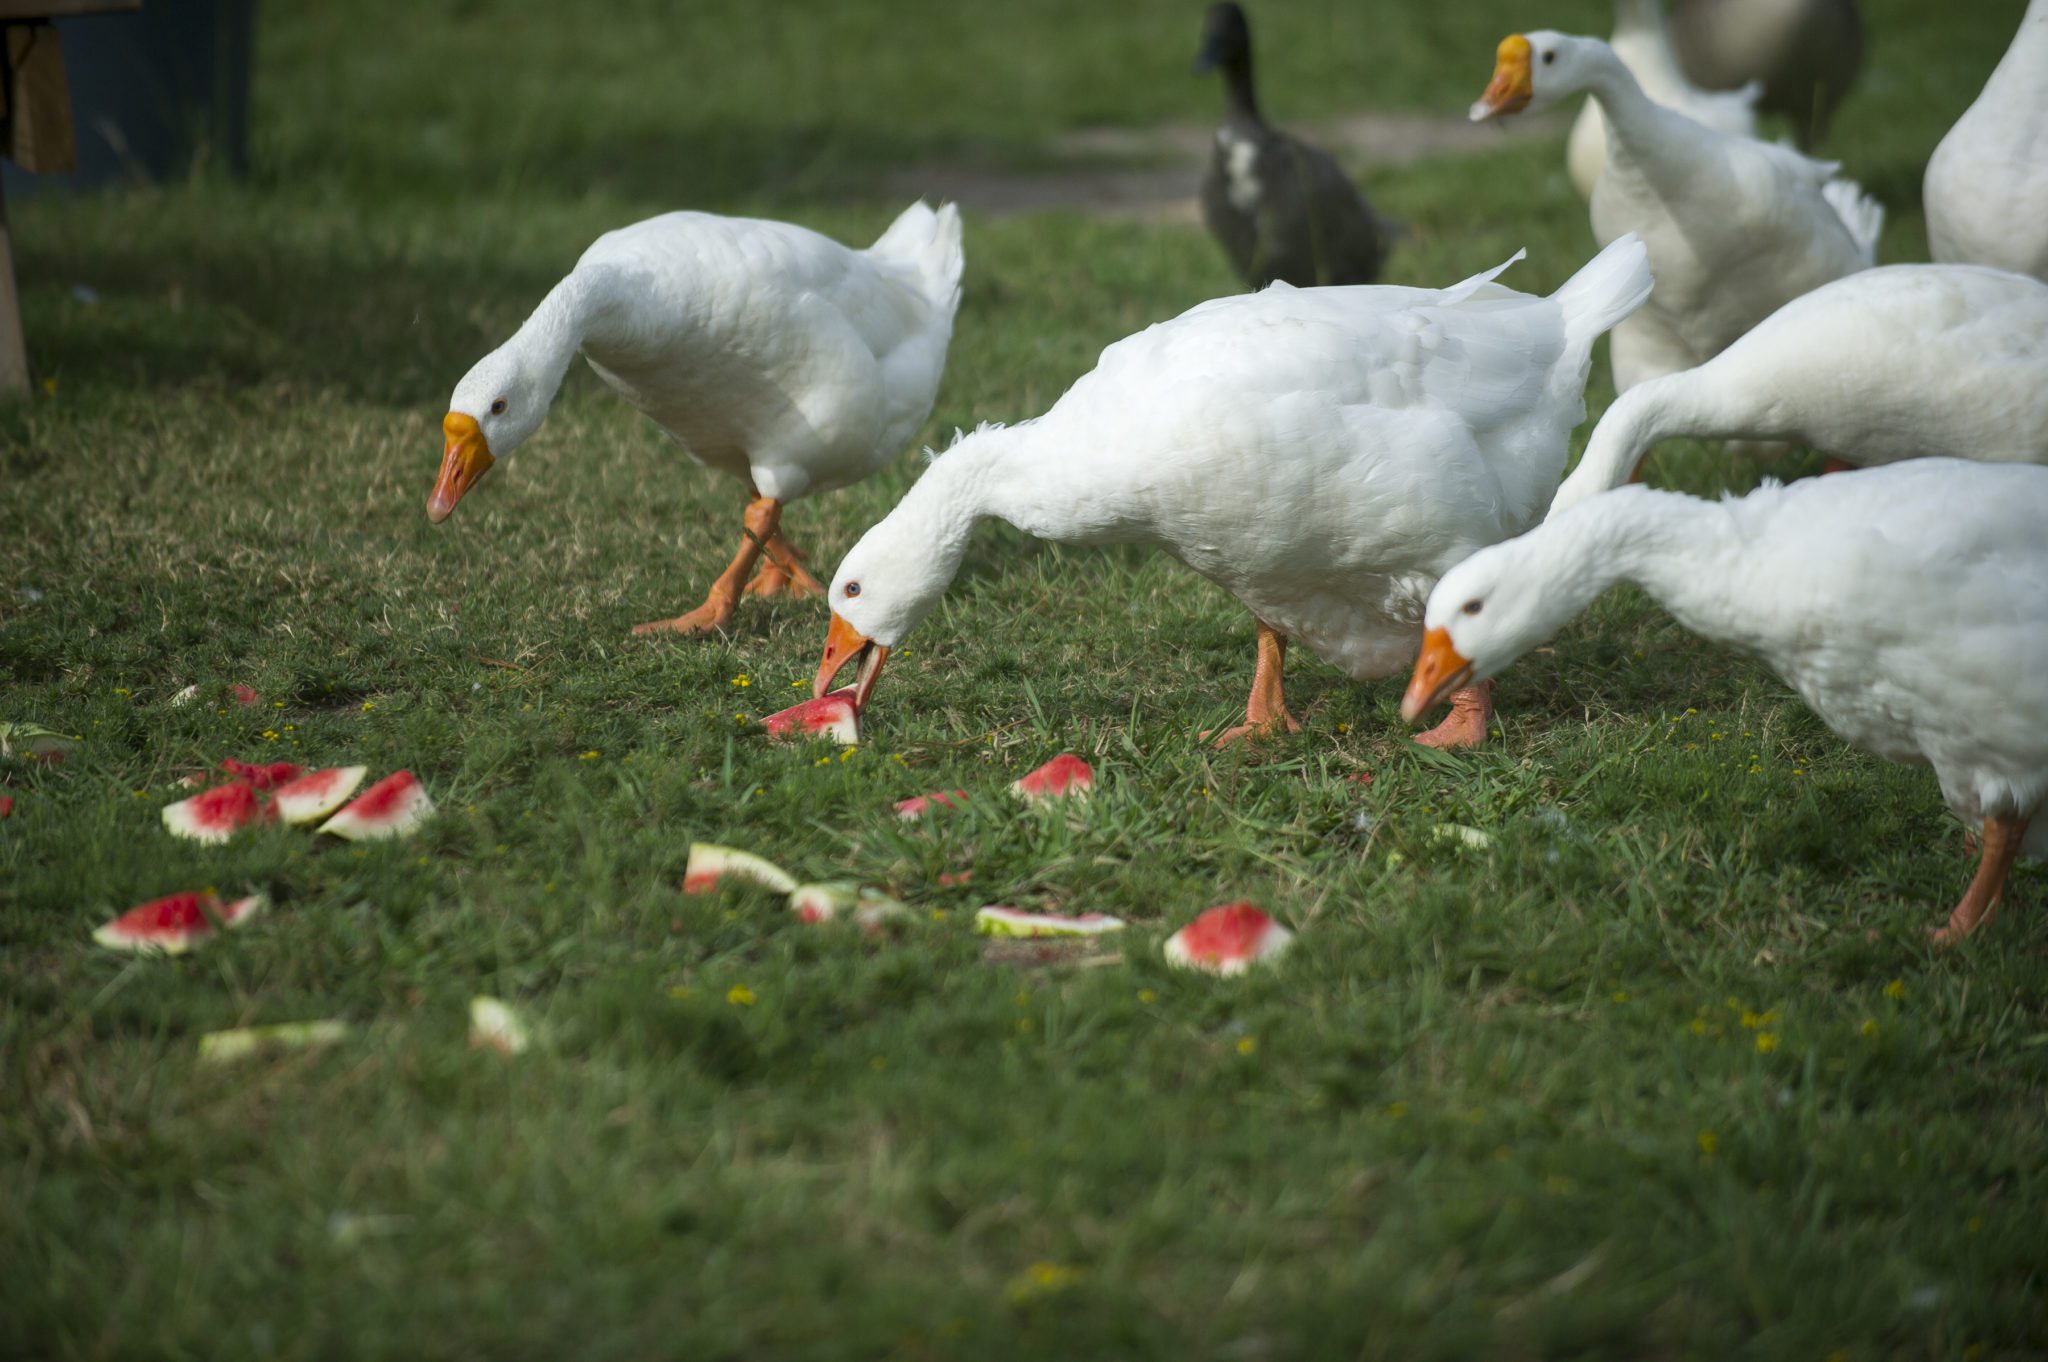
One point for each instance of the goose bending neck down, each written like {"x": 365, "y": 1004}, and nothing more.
{"x": 765, "y": 351}
{"x": 1907, "y": 605}
{"x": 1322, "y": 454}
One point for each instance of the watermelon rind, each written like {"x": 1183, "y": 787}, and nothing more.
{"x": 996, "y": 920}
{"x": 316, "y": 794}
{"x": 219, "y": 1047}
{"x": 363, "y": 820}
{"x": 823, "y": 902}
{"x": 710, "y": 863}
{"x": 494, "y": 1025}
{"x": 123, "y": 934}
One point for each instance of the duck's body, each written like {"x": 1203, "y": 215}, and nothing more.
{"x": 1986, "y": 189}
{"x": 763, "y": 349}
{"x": 1645, "y": 49}
{"x": 1908, "y": 606}
{"x": 1735, "y": 227}
{"x": 1321, "y": 454}
{"x": 1281, "y": 208}
{"x": 1893, "y": 363}
{"x": 1805, "y": 52}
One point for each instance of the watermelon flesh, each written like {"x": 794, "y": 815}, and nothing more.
{"x": 175, "y": 923}
{"x": 996, "y": 920}
{"x": 709, "y": 864}
{"x": 312, "y": 797}
{"x": 215, "y": 815}
{"x": 259, "y": 775}
{"x": 917, "y": 806}
{"x": 1064, "y": 776}
{"x": 1228, "y": 940}
{"x": 6, "y": 806}
{"x": 394, "y": 807}
{"x": 833, "y": 716}
{"x": 244, "y": 695}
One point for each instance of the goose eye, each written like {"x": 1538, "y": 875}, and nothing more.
{"x": 1550, "y": 57}
{"x": 852, "y": 590}
{"x": 1473, "y": 606}
{"x": 498, "y": 407}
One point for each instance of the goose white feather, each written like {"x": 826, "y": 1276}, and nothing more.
{"x": 1986, "y": 190}
{"x": 1907, "y": 605}
{"x": 1892, "y": 363}
{"x": 763, "y": 349}
{"x": 1321, "y": 454}
{"x": 1643, "y": 46}
{"x": 1735, "y": 227}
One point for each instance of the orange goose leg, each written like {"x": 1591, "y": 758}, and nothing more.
{"x": 1265, "y": 713}
{"x": 1465, "y": 725}
{"x": 2002, "y": 835}
{"x": 782, "y": 571}
{"x": 763, "y": 516}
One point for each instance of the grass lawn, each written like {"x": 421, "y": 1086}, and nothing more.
{"x": 1666, "y": 1070}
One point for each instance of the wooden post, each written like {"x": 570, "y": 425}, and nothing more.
{"x": 13, "y": 349}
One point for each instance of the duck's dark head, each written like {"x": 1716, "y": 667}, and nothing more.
{"x": 1226, "y": 39}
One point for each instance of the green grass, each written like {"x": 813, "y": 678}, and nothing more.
{"x": 1666, "y": 1071}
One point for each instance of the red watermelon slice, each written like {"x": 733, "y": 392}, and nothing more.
{"x": 215, "y": 815}
{"x": 394, "y": 807}
{"x": 832, "y": 716}
{"x": 313, "y": 797}
{"x": 1227, "y": 940}
{"x": 917, "y": 806}
{"x": 261, "y": 776}
{"x": 175, "y": 923}
{"x": 6, "y": 806}
{"x": 709, "y": 864}
{"x": 1066, "y": 775}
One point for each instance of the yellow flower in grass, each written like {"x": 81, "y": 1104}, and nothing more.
{"x": 1895, "y": 990}
{"x": 1709, "y": 1142}
{"x": 1766, "y": 1042}
{"x": 1869, "y": 1028}
{"x": 741, "y": 680}
{"x": 591, "y": 755}
{"x": 369, "y": 705}
{"x": 739, "y": 995}
{"x": 1248, "y": 1045}
{"x": 1041, "y": 1279}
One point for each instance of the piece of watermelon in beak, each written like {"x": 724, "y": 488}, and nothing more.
{"x": 466, "y": 457}
{"x": 844, "y": 644}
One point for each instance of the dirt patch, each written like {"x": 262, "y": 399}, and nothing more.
{"x": 1161, "y": 186}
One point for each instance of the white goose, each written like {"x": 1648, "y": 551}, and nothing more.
{"x": 1321, "y": 454}
{"x": 1908, "y": 606}
{"x": 1736, "y": 227}
{"x": 1644, "y": 47}
{"x": 1887, "y": 364}
{"x": 1987, "y": 184}
{"x": 765, "y": 350}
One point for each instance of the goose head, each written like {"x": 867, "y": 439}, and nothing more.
{"x": 496, "y": 406}
{"x": 885, "y": 585}
{"x": 1535, "y": 70}
{"x": 1484, "y": 613}
{"x": 1226, "y": 40}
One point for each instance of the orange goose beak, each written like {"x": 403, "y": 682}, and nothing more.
{"x": 1511, "y": 88}
{"x": 466, "y": 458}
{"x": 843, "y": 644}
{"x": 1440, "y": 670}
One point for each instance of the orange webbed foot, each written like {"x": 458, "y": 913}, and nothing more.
{"x": 1465, "y": 725}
